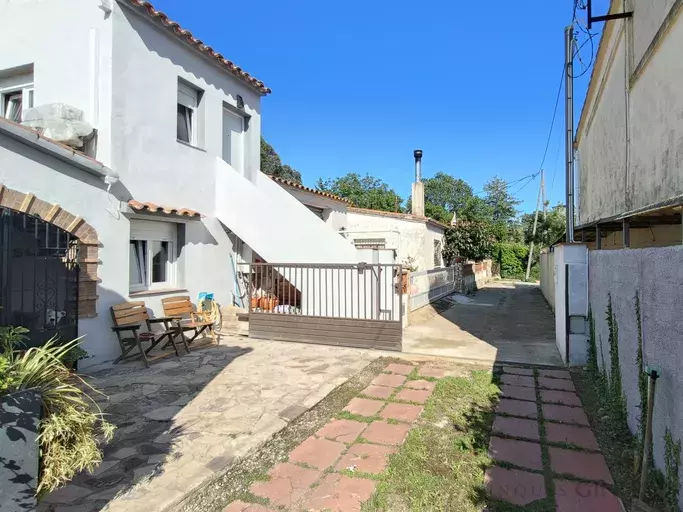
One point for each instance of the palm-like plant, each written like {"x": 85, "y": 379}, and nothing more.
{"x": 72, "y": 425}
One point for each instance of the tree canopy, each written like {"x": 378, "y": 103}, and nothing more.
{"x": 272, "y": 165}
{"x": 548, "y": 230}
{"x": 363, "y": 191}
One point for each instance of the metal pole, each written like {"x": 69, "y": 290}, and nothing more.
{"x": 418, "y": 165}
{"x": 648, "y": 432}
{"x": 533, "y": 231}
{"x": 569, "y": 125}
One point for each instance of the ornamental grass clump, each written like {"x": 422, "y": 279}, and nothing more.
{"x": 72, "y": 428}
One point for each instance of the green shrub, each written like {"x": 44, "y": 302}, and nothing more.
{"x": 71, "y": 427}
{"x": 512, "y": 260}
{"x": 469, "y": 240}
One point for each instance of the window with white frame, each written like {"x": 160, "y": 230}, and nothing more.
{"x": 16, "y": 95}
{"x": 437, "y": 253}
{"x": 188, "y": 114}
{"x": 152, "y": 255}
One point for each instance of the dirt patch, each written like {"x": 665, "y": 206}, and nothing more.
{"x": 233, "y": 482}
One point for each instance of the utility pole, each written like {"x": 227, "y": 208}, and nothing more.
{"x": 533, "y": 231}
{"x": 543, "y": 199}
{"x": 569, "y": 129}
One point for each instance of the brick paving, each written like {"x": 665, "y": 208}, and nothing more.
{"x": 320, "y": 472}
{"x": 574, "y": 466}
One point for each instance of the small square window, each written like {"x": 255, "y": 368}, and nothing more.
{"x": 152, "y": 261}
{"x": 437, "y": 253}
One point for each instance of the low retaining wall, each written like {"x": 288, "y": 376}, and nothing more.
{"x": 475, "y": 275}
{"x": 547, "y": 264}
{"x": 655, "y": 275}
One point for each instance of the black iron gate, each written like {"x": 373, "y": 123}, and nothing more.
{"x": 38, "y": 277}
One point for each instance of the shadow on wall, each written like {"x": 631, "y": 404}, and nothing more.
{"x": 654, "y": 275}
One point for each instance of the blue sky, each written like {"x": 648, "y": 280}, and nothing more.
{"x": 358, "y": 85}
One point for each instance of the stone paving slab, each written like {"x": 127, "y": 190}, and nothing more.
{"x": 518, "y": 371}
{"x": 572, "y": 496}
{"x": 578, "y": 436}
{"x": 288, "y": 484}
{"x": 519, "y": 453}
{"x": 589, "y": 466}
{"x": 343, "y": 431}
{"x": 380, "y": 392}
{"x": 516, "y": 427}
{"x": 555, "y": 374}
{"x": 402, "y": 412}
{"x": 517, "y": 408}
{"x": 518, "y": 392}
{"x": 366, "y": 458}
{"x": 559, "y": 384}
{"x": 381, "y": 432}
{"x": 388, "y": 380}
{"x": 364, "y": 407}
{"x": 560, "y": 397}
{"x": 518, "y": 380}
{"x": 401, "y": 369}
{"x": 421, "y": 384}
{"x": 565, "y": 414}
{"x": 339, "y": 493}
{"x": 318, "y": 453}
{"x": 419, "y": 396}
{"x": 514, "y": 486}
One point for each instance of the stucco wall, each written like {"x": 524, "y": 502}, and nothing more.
{"x": 334, "y": 213}
{"x": 151, "y": 162}
{"x": 614, "y": 177}
{"x": 410, "y": 238}
{"x": 656, "y": 275}
{"x": 204, "y": 259}
{"x": 69, "y": 44}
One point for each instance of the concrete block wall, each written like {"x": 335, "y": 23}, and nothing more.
{"x": 656, "y": 274}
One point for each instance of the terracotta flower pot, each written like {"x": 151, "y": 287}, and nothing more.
{"x": 269, "y": 303}
{"x": 254, "y": 303}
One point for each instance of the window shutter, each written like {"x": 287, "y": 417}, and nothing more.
{"x": 152, "y": 230}
{"x": 187, "y": 96}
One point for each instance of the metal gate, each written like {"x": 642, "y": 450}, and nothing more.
{"x": 357, "y": 305}
{"x": 38, "y": 277}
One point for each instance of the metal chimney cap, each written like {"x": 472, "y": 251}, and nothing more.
{"x": 418, "y": 154}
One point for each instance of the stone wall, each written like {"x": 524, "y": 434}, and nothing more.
{"x": 655, "y": 275}
{"x": 474, "y": 275}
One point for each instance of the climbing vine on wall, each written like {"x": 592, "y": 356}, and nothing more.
{"x": 618, "y": 401}
{"x": 672, "y": 461}
{"x": 642, "y": 375}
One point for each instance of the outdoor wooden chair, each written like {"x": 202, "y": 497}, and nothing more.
{"x": 129, "y": 319}
{"x": 191, "y": 320}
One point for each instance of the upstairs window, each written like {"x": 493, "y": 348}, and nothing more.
{"x": 188, "y": 108}
{"x": 15, "y": 98}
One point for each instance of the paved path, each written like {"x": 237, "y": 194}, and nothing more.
{"x": 319, "y": 475}
{"x": 541, "y": 438}
{"x": 181, "y": 421}
{"x": 503, "y": 322}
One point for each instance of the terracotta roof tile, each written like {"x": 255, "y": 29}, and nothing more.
{"x": 294, "y": 184}
{"x": 139, "y": 206}
{"x": 184, "y": 34}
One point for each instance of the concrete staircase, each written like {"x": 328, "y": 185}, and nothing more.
{"x": 235, "y": 321}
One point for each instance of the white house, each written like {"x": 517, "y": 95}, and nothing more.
{"x": 170, "y": 192}
{"x": 415, "y": 241}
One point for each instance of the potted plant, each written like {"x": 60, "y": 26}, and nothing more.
{"x": 73, "y": 355}
{"x": 71, "y": 427}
